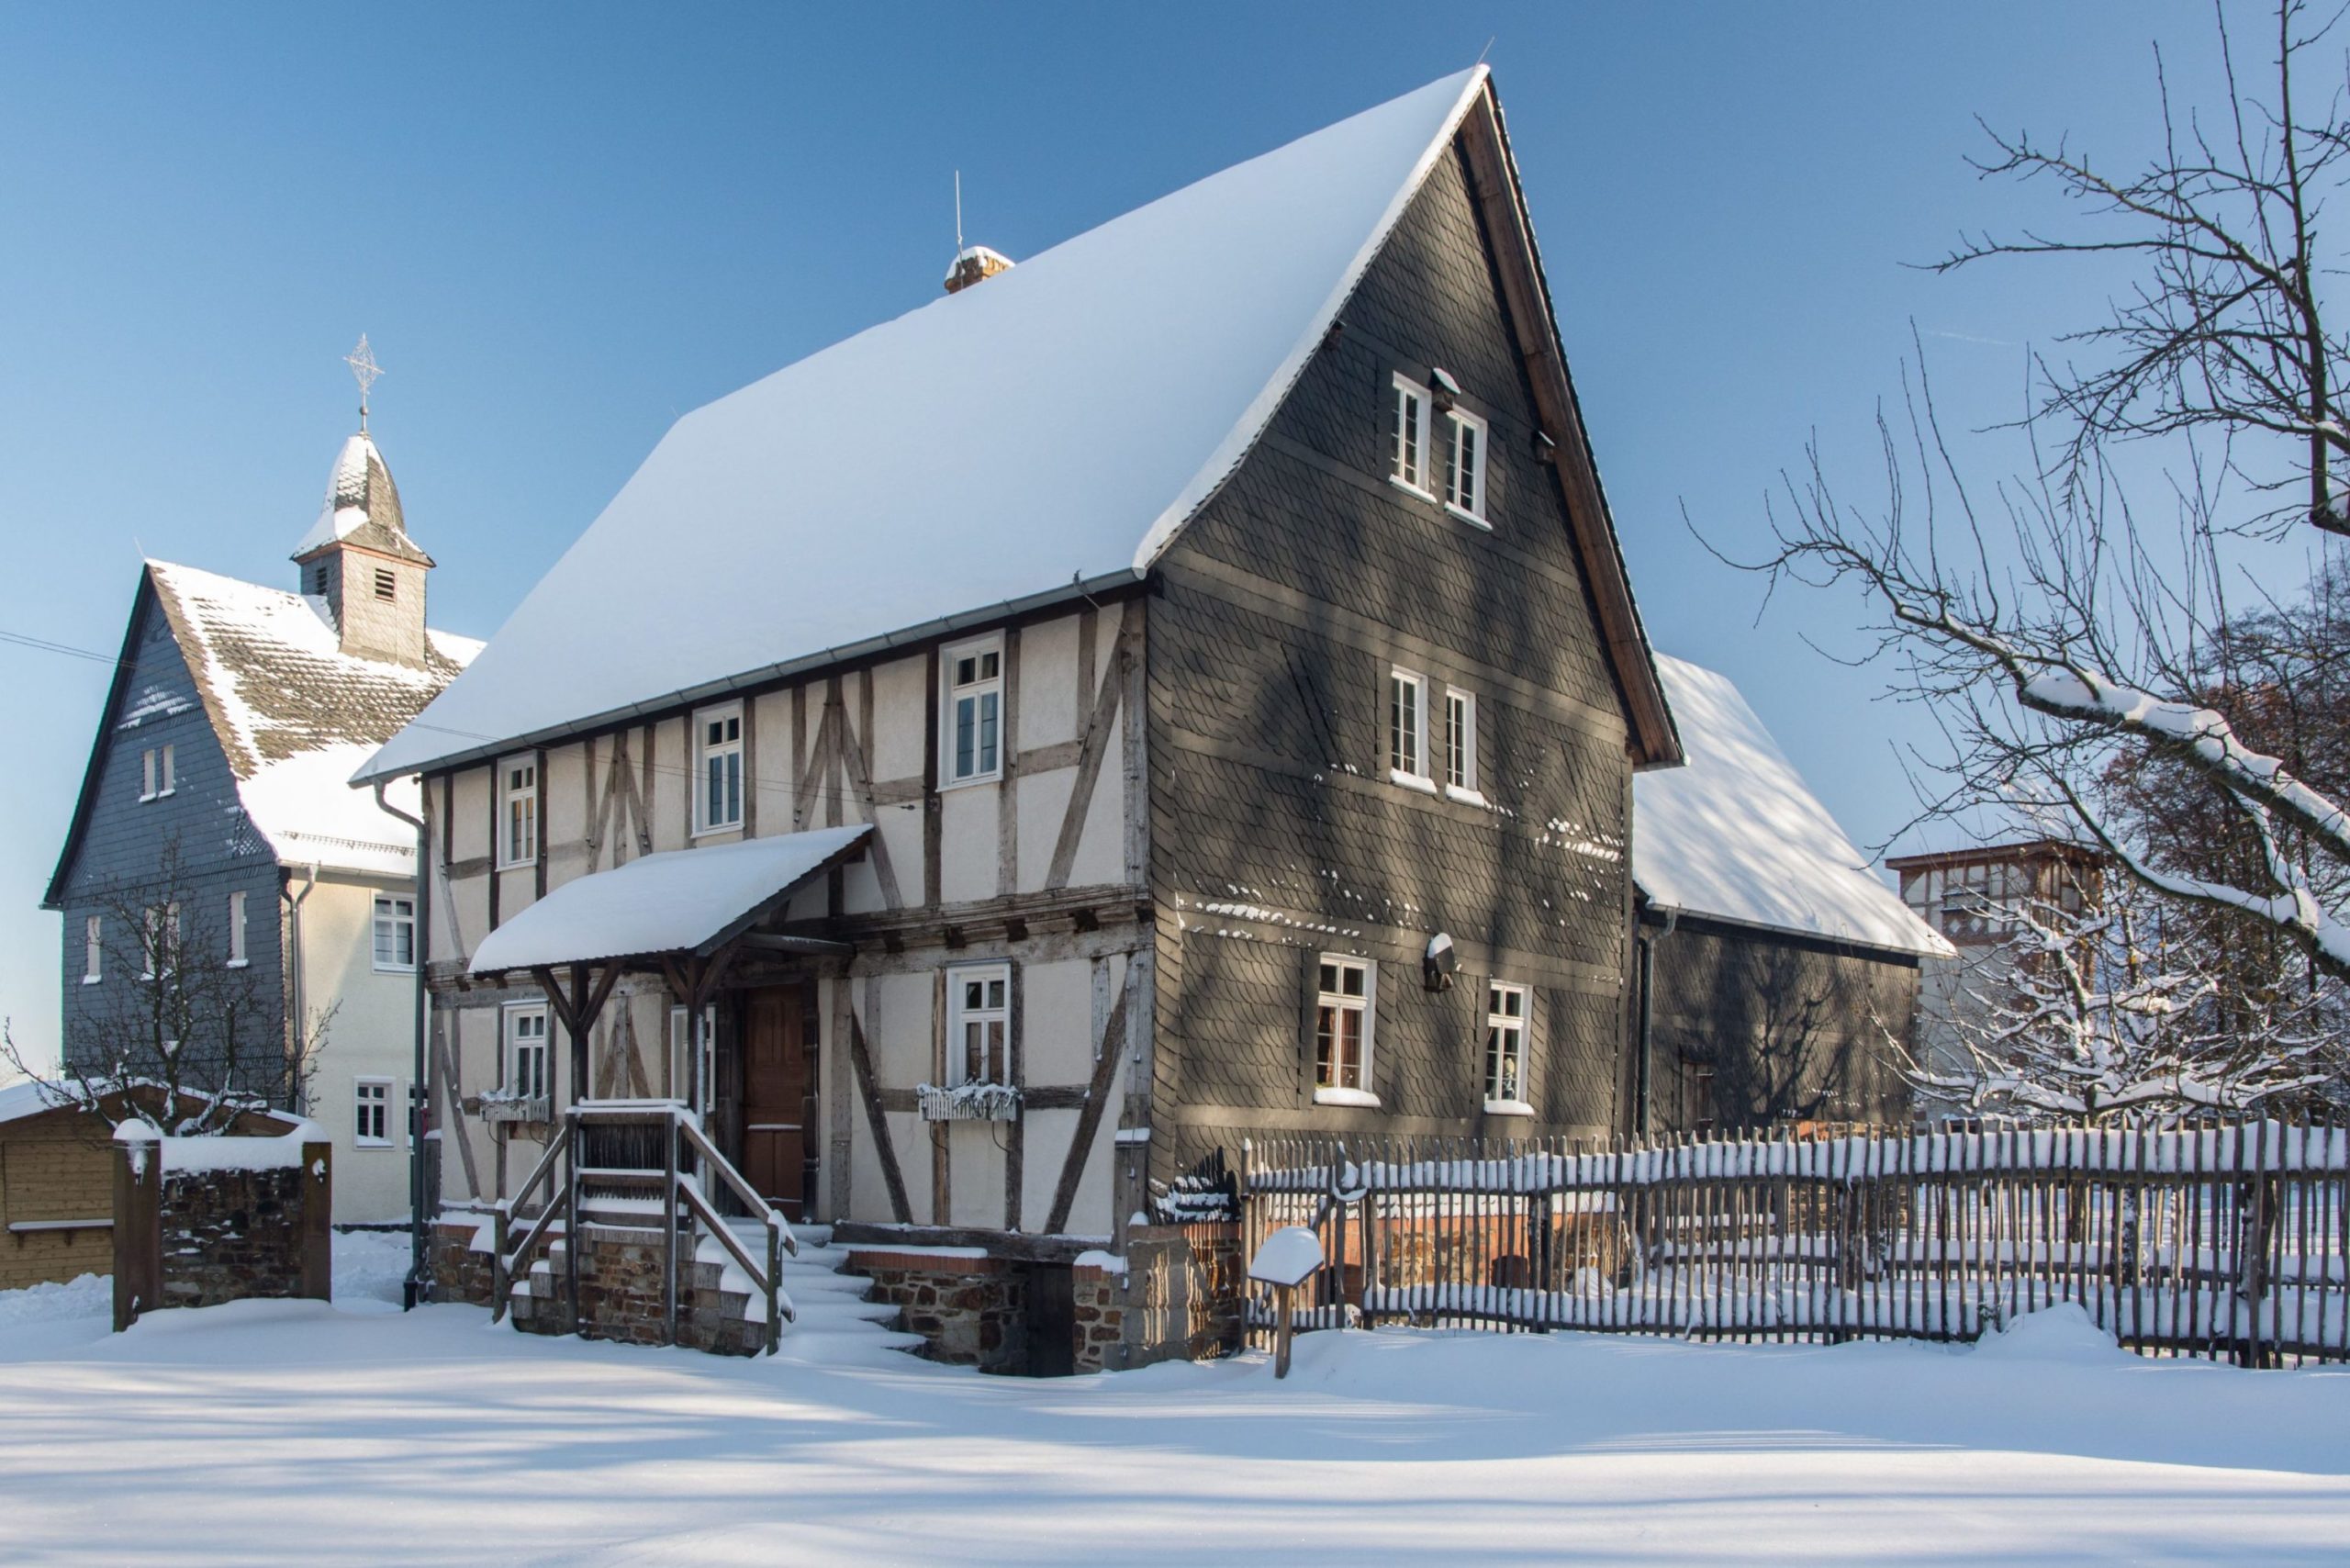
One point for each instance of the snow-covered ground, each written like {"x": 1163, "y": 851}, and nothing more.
{"x": 269, "y": 1432}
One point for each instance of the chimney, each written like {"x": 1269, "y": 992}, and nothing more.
{"x": 975, "y": 264}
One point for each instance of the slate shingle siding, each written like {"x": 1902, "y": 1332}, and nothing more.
{"x": 117, "y": 858}
{"x": 1789, "y": 1031}
{"x": 1283, "y": 608}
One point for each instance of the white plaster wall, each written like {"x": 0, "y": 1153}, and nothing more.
{"x": 1044, "y": 800}
{"x": 372, "y": 1035}
{"x": 672, "y": 776}
{"x": 967, "y": 848}
{"x": 975, "y": 1173}
{"x": 900, "y": 701}
{"x": 1102, "y": 848}
{"x": 1049, "y": 696}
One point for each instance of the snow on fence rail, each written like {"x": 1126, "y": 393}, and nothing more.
{"x": 2223, "y": 1240}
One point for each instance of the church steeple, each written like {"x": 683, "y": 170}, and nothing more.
{"x": 358, "y": 557}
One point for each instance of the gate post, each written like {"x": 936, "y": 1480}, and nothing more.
{"x": 318, "y": 1222}
{"x": 138, "y": 1222}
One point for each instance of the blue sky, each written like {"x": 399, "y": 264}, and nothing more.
{"x": 564, "y": 227}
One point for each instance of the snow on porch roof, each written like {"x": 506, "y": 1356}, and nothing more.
{"x": 1056, "y": 423}
{"x": 1737, "y": 836}
{"x": 674, "y": 902}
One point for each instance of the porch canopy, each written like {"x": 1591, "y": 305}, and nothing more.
{"x": 681, "y": 902}
{"x": 685, "y": 912}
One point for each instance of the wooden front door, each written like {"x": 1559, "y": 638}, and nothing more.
{"x": 779, "y": 1096}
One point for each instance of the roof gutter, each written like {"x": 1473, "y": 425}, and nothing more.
{"x": 1076, "y": 587}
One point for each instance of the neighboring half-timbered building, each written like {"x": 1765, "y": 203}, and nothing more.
{"x": 1182, "y": 687}
{"x": 216, "y": 830}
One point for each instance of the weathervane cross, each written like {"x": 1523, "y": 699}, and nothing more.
{"x": 363, "y": 370}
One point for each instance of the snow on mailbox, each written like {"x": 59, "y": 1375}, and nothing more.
{"x": 1285, "y": 1259}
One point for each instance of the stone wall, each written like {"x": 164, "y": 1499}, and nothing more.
{"x": 460, "y": 1259}
{"x": 232, "y": 1234}
{"x": 620, "y": 1295}
{"x": 971, "y": 1310}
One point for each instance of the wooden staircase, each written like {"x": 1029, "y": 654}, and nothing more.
{"x": 628, "y": 1243}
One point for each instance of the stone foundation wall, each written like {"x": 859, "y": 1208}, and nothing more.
{"x": 971, "y": 1311}
{"x": 459, "y": 1258}
{"x": 232, "y": 1234}
{"x": 621, "y": 1295}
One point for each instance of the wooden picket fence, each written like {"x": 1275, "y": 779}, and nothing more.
{"x": 2226, "y": 1239}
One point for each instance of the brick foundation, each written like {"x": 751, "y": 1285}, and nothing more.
{"x": 620, "y": 1295}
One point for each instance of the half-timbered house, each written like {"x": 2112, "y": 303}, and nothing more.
{"x": 1179, "y": 687}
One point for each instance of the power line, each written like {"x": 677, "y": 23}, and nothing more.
{"x": 765, "y": 789}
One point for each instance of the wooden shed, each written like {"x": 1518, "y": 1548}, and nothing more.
{"x": 57, "y": 1186}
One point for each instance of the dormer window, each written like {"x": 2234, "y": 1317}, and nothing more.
{"x": 1408, "y": 437}
{"x": 387, "y": 585}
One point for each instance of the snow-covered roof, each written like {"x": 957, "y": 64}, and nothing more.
{"x": 27, "y": 1098}
{"x": 295, "y": 714}
{"x": 1736, "y": 834}
{"x": 670, "y": 902}
{"x": 1057, "y": 423}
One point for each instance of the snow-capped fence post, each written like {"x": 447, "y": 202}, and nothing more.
{"x": 138, "y": 1222}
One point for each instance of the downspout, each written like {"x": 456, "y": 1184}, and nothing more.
{"x": 412, "y": 1289}
{"x": 298, "y": 1098}
{"x": 1645, "y": 1060}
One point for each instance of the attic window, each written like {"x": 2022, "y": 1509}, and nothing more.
{"x": 387, "y": 585}
{"x": 1464, "y": 467}
{"x": 1408, "y": 438}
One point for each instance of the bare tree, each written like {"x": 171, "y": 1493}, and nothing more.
{"x": 2080, "y": 660}
{"x": 2097, "y": 1011}
{"x": 174, "y": 1016}
{"x": 2224, "y": 333}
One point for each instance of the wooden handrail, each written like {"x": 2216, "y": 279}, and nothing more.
{"x": 742, "y": 1188}
{"x": 503, "y": 1260}
{"x": 780, "y": 1304}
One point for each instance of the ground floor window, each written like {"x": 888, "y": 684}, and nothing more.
{"x": 371, "y": 1113}
{"x": 1342, "y": 1025}
{"x": 1504, "y": 1045}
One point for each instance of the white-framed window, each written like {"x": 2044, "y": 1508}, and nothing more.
{"x": 1506, "y": 1049}
{"x": 395, "y": 932}
{"x": 158, "y": 772}
{"x": 972, "y": 747}
{"x": 979, "y": 1023}
{"x": 518, "y": 811}
{"x": 237, "y": 931}
{"x": 1464, "y": 464}
{"x": 1460, "y": 743}
{"x": 718, "y": 768}
{"x": 371, "y": 1113}
{"x": 1407, "y": 449}
{"x": 93, "y": 950}
{"x": 168, "y": 758}
{"x": 693, "y": 1073}
{"x": 526, "y": 1051}
{"x": 1345, "y": 996}
{"x": 1407, "y": 728}
{"x": 160, "y": 940}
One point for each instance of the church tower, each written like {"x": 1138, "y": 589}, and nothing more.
{"x": 358, "y": 557}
